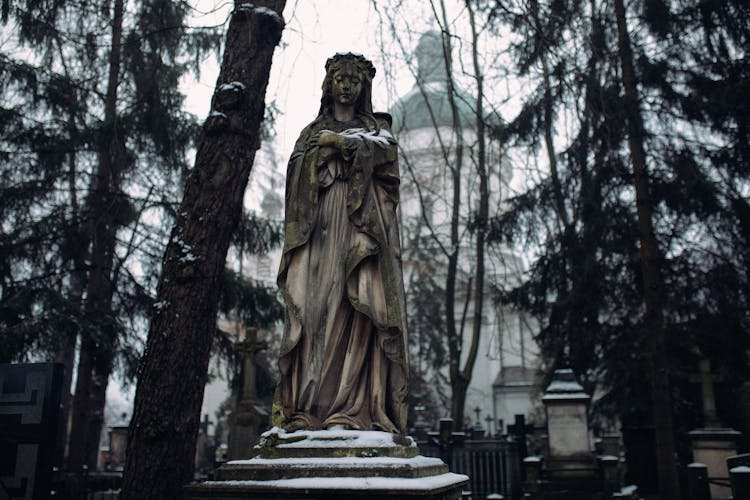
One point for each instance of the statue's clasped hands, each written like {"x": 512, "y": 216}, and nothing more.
{"x": 327, "y": 138}
{"x": 330, "y": 143}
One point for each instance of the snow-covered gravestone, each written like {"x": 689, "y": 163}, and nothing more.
{"x": 570, "y": 453}
{"x": 713, "y": 444}
{"x": 567, "y": 421}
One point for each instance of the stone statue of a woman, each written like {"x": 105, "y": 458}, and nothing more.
{"x": 343, "y": 356}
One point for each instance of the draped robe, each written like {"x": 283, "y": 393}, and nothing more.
{"x": 343, "y": 354}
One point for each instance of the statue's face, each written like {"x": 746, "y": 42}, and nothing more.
{"x": 346, "y": 85}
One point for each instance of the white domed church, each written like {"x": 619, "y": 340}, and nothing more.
{"x": 436, "y": 137}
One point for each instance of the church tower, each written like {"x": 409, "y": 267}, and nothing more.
{"x": 431, "y": 138}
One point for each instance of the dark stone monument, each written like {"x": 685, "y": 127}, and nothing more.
{"x": 571, "y": 469}
{"x": 250, "y": 417}
{"x": 713, "y": 444}
{"x": 519, "y": 430}
{"x": 29, "y": 414}
{"x": 739, "y": 474}
{"x": 118, "y": 444}
{"x": 566, "y": 404}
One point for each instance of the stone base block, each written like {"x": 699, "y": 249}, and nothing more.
{"x": 343, "y": 464}
{"x": 713, "y": 446}
{"x": 442, "y": 487}
{"x": 576, "y": 467}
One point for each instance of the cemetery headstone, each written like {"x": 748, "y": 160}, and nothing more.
{"x": 571, "y": 469}
{"x": 250, "y": 417}
{"x": 713, "y": 444}
{"x": 566, "y": 406}
{"x": 118, "y": 443}
{"x": 740, "y": 478}
{"x": 697, "y": 482}
{"x": 519, "y": 430}
{"x": 30, "y": 396}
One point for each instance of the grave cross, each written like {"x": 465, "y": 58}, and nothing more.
{"x": 250, "y": 346}
{"x": 204, "y": 425}
{"x": 706, "y": 379}
{"x": 519, "y": 430}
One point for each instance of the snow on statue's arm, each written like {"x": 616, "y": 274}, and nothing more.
{"x": 378, "y": 149}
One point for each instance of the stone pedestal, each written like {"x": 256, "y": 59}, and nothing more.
{"x": 712, "y": 447}
{"x": 740, "y": 477}
{"x": 566, "y": 405}
{"x": 118, "y": 445}
{"x": 245, "y": 425}
{"x": 250, "y": 417}
{"x": 571, "y": 469}
{"x": 332, "y": 464}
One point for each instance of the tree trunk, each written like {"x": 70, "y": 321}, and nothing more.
{"x": 582, "y": 318}
{"x": 77, "y": 242}
{"x": 455, "y": 339}
{"x": 164, "y": 428}
{"x": 105, "y": 187}
{"x": 669, "y": 487}
{"x": 65, "y": 356}
{"x": 482, "y": 216}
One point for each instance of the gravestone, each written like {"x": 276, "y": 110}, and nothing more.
{"x": 566, "y": 405}
{"x": 520, "y": 430}
{"x": 250, "y": 416}
{"x": 118, "y": 444}
{"x": 205, "y": 449}
{"x": 30, "y": 396}
{"x": 571, "y": 469}
{"x": 713, "y": 444}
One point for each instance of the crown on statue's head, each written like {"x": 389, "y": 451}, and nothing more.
{"x": 337, "y": 61}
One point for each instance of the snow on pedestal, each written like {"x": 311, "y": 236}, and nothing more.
{"x": 332, "y": 464}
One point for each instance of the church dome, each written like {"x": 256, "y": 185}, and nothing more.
{"x": 272, "y": 204}
{"x": 426, "y": 105}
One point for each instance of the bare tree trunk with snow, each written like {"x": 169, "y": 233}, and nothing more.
{"x": 164, "y": 428}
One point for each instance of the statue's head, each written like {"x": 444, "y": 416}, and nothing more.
{"x": 353, "y": 66}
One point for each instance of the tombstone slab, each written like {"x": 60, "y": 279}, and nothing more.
{"x": 566, "y": 405}
{"x": 713, "y": 447}
{"x": 30, "y": 395}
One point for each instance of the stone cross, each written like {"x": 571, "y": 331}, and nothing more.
{"x": 204, "y": 425}
{"x": 250, "y": 346}
{"x": 250, "y": 416}
{"x": 706, "y": 379}
{"x": 519, "y": 430}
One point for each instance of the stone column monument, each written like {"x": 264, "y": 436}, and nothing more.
{"x": 343, "y": 369}
{"x": 713, "y": 443}
{"x": 566, "y": 404}
{"x": 250, "y": 418}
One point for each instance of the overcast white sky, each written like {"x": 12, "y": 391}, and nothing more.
{"x": 315, "y": 31}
